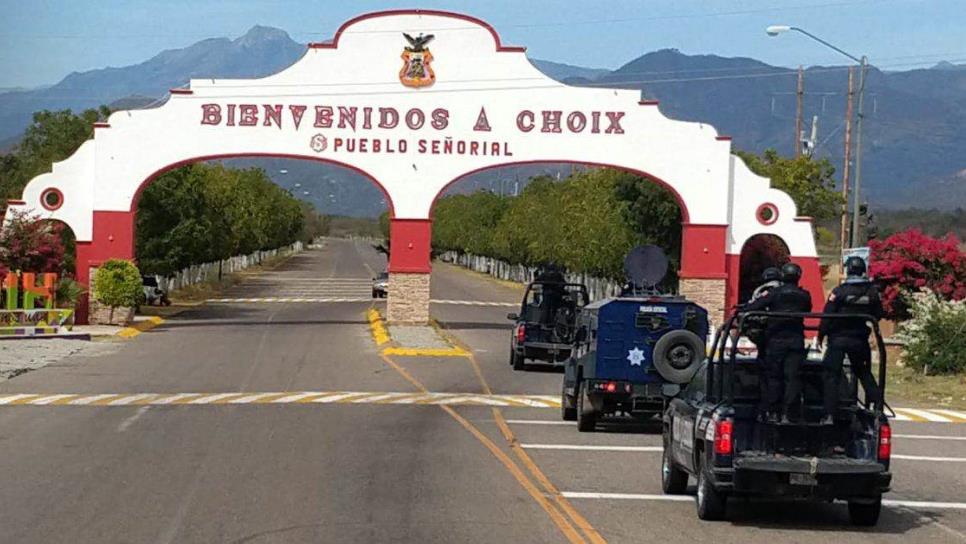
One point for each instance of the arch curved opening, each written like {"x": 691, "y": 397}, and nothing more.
{"x": 758, "y": 253}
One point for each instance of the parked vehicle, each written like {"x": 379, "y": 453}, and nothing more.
{"x": 153, "y": 293}
{"x": 380, "y": 285}
{"x": 632, "y": 352}
{"x": 712, "y": 431}
{"x": 544, "y": 329}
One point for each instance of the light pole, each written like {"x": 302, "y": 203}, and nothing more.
{"x": 775, "y": 30}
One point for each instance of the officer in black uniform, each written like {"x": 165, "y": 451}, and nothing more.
{"x": 848, "y": 336}
{"x": 784, "y": 343}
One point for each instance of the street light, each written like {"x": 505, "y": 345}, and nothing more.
{"x": 775, "y": 30}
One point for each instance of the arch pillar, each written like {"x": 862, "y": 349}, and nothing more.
{"x": 704, "y": 271}
{"x": 409, "y": 270}
{"x": 113, "y": 238}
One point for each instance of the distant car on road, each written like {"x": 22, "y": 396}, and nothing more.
{"x": 713, "y": 431}
{"x": 544, "y": 328}
{"x": 380, "y": 285}
{"x": 153, "y": 292}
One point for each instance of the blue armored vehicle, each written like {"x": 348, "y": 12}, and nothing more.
{"x": 632, "y": 352}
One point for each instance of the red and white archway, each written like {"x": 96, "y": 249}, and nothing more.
{"x": 359, "y": 101}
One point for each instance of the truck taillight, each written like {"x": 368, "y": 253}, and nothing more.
{"x": 722, "y": 437}
{"x": 885, "y": 442}
{"x": 521, "y": 333}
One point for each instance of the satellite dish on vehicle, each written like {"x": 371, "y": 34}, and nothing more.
{"x": 645, "y": 266}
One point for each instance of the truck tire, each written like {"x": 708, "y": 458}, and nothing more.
{"x": 674, "y": 481}
{"x": 518, "y": 361}
{"x": 586, "y": 415}
{"x": 711, "y": 504}
{"x": 677, "y": 355}
{"x": 568, "y": 405}
{"x": 865, "y": 514}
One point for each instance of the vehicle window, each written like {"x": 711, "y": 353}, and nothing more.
{"x": 383, "y": 276}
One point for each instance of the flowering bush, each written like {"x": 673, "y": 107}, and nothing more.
{"x": 936, "y": 334}
{"x": 910, "y": 261}
{"x": 31, "y": 245}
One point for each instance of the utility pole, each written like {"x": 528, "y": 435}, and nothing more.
{"x": 798, "y": 112}
{"x": 863, "y": 68}
{"x": 843, "y": 238}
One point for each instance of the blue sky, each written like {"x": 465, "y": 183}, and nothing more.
{"x": 41, "y": 41}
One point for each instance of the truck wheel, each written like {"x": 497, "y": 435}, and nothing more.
{"x": 568, "y": 406}
{"x": 711, "y": 503}
{"x": 586, "y": 415}
{"x": 518, "y": 361}
{"x": 674, "y": 481}
{"x": 678, "y": 354}
{"x": 865, "y": 514}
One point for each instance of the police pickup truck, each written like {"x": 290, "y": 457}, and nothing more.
{"x": 712, "y": 431}
{"x": 544, "y": 329}
{"x": 632, "y": 351}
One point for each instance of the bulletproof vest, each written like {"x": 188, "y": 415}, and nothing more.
{"x": 788, "y": 298}
{"x": 854, "y": 298}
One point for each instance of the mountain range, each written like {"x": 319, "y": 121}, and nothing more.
{"x": 914, "y": 151}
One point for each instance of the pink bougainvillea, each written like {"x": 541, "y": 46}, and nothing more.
{"x": 29, "y": 244}
{"x": 909, "y": 261}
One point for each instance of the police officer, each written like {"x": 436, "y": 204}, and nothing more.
{"x": 849, "y": 336}
{"x": 770, "y": 278}
{"x": 755, "y": 328}
{"x": 784, "y": 343}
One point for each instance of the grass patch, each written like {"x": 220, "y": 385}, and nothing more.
{"x": 908, "y": 387}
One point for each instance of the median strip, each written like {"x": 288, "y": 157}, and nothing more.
{"x": 138, "y": 327}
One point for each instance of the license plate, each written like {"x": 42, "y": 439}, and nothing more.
{"x": 802, "y": 479}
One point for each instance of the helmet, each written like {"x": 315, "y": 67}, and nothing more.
{"x": 791, "y": 273}
{"x": 855, "y": 266}
{"x": 771, "y": 274}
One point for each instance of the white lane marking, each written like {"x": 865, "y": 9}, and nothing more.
{"x": 130, "y": 399}
{"x": 208, "y": 399}
{"x": 539, "y": 422}
{"x": 931, "y": 459}
{"x": 951, "y": 413}
{"x": 51, "y": 398}
{"x": 925, "y": 414}
{"x": 476, "y": 303}
{"x": 130, "y": 420}
{"x": 584, "y": 447}
{"x": 928, "y": 437}
{"x": 922, "y": 505}
{"x": 11, "y": 398}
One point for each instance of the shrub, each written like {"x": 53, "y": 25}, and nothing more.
{"x": 68, "y": 292}
{"x": 936, "y": 334}
{"x": 910, "y": 261}
{"x": 118, "y": 284}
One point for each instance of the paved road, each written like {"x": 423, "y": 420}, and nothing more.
{"x": 365, "y": 471}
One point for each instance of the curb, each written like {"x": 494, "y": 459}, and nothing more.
{"x": 380, "y": 335}
{"x": 140, "y": 326}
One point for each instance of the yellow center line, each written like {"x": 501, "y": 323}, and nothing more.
{"x": 65, "y": 400}
{"x": 25, "y": 400}
{"x": 106, "y": 400}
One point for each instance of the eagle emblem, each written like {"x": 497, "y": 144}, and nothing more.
{"x": 417, "y": 70}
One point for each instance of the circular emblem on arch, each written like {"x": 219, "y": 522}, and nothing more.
{"x": 767, "y": 213}
{"x": 51, "y": 199}
{"x": 318, "y": 143}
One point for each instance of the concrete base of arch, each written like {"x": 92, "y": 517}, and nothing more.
{"x": 709, "y": 293}
{"x": 408, "y": 298}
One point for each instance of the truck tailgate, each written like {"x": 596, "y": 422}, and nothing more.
{"x": 764, "y": 462}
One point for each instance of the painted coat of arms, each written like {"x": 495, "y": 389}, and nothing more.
{"x": 417, "y": 70}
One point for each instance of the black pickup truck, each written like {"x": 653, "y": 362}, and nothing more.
{"x": 712, "y": 431}
{"x": 544, "y": 328}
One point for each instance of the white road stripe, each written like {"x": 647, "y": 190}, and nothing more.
{"x": 583, "y": 447}
{"x": 930, "y": 459}
{"x": 129, "y": 399}
{"x": 539, "y": 422}
{"x": 952, "y": 413}
{"x": 929, "y": 416}
{"x": 48, "y": 399}
{"x": 129, "y": 421}
{"x": 11, "y": 398}
{"x": 921, "y": 505}
{"x": 928, "y": 437}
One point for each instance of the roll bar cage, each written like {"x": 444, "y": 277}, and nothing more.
{"x": 737, "y": 323}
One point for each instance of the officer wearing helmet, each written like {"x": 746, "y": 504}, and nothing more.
{"x": 770, "y": 278}
{"x": 784, "y": 344}
{"x": 849, "y": 336}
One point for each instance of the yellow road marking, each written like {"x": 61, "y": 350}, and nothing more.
{"x": 378, "y": 328}
{"x": 138, "y": 327}
{"x": 24, "y": 400}
{"x": 559, "y": 520}
{"x": 425, "y": 352}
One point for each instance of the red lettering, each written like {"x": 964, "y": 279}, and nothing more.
{"x": 525, "y": 121}
{"x": 615, "y": 122}
{"x": 576, "y": 121}
{"x": 247, "y": 115}
{"x": 421, "y": 145}
{"x": 323, "y": 117}
{"x": 506, "y": 150}
{"x": 272, "y": 113}
{"x": 347, "y": 117}
{"x": 231, "y": 115}
{"x": 474, "y": 148}
{"x": 595, "y": 122}
{"x": 297, "y": 112}
{"x": 435, "y": 147}
{"x": 403, "y": 146}
{"x": 210, "y": 114}
{"x": 415, "y": 118}
{"x": 440, "y": 118}
{"x": 376, "y": 146}
{"x": 482, "y": 123}
{"x": 388, "y": 117}
{"x": 364, "y": 145}
{"x": 551, "y": 121}
{"x": 367, "y": 118}
{"x": 495, "y": 148}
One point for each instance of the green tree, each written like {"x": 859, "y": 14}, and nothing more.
{"x": 808, "y": 181}
{"x": 653, "y": 213}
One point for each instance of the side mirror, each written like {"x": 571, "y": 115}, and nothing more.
{"x": 512, "y": 316}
